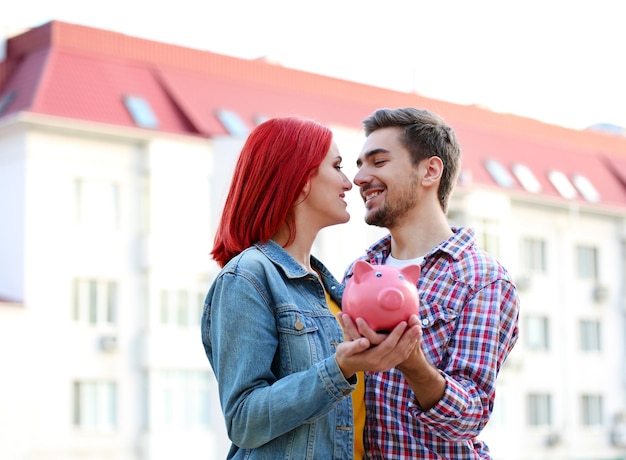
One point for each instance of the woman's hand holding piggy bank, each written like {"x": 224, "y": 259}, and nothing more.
{"x": 381, "y": 294}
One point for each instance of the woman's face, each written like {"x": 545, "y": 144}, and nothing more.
{"x": 326, "y": 198}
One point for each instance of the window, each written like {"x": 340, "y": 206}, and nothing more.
{"x": 587, "y": 262}
{"x": 539, "y": 409}
{"x": 177, "y": 308}
{"x": 562, "y": 184}
{"x": 526, "y": 177}
{"x": 233, "y": 123}
{"x": 199, "y": 306}
{"x": 591, "y": 409}
{"x": 499, "y": 173}
{"x": 499, "y": 413}
{"x": 590, "y": 335}
{"x": 586, "y": 188}
{"x": 97, "y": 204}
{"x": 6, "y": 101}
{"x": 534, "y": 255}
{"x": 141, "y": 112}
{"x": 488, "y": 235}
{"x": 536, "y": 332}
{"x": 95, "y": 301}
{"x": 95, "y": 405}
{"x": 182, "y": 308}
{"x": 164, "y": 317}
{"x": 181, "y": 399}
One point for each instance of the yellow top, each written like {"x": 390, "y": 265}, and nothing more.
{"x": 358, "y": 398}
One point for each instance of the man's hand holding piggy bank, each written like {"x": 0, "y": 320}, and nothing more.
{"x": 381, "y": 294}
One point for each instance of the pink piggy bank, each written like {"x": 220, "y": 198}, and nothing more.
{"x": 381, "y": 294}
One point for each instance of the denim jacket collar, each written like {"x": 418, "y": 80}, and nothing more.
{"x": 281, "y": 258}
{"x": 292, "y": 269}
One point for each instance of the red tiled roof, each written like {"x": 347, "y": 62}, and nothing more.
{"x": 77, "y": 72}
{"x": 89, "y": 88}
{"x": 541, "y": 157}
{"x": 617, "y": 165}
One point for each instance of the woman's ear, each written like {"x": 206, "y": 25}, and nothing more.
{"x": 303, "y": 193}
{"x": 433, "y": 170}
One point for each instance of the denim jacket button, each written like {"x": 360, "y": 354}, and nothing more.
{"x": 346, "y": 392}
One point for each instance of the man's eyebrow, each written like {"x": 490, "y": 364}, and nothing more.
{"x": 369, "y": 154}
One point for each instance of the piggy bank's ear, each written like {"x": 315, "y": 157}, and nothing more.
{"x": 412, "y": 273}
{"x": 360, "y": 270}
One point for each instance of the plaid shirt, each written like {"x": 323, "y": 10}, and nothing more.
{"x": 469, "y": 313}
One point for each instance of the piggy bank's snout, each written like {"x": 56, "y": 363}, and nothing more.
{"x": 391, "y": 298}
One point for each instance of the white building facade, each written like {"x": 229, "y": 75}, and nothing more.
{"x": 561, "y": 393}
{"x": 111, "y": 232}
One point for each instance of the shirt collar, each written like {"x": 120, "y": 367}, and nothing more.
{"x": 462, "y": 238}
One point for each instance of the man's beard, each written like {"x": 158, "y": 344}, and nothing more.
{"x": 389, "y": 215}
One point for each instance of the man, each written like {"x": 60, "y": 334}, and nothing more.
{"x": 434, "y": 404}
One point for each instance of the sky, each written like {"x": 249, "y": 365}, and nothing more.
{"x": 557, "y": 61}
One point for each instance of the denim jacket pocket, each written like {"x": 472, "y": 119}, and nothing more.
{"x": 297, "y": 339}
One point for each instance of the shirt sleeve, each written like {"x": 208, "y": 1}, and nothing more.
{"x": 485, "y": 333}
{"x": 241, "y": 337}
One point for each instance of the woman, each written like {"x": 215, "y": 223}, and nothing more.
{"x": 285, "y": 379}
{"x": 284, "y": 373}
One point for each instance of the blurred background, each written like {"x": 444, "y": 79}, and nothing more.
{"x": 119, "y": 126}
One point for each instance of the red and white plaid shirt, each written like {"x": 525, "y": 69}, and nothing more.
{"x": 469, "y": 312}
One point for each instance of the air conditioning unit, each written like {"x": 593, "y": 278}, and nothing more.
{"x": 552, "y": 439}
{"x": 618, "y": 430}
{"x": 600, "y": 293}
{"x": 108, "y": 343}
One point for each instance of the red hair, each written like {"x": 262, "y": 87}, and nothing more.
{"x": 275, "y": 163}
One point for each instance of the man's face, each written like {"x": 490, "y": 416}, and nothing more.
{"x": 388, "y": 181}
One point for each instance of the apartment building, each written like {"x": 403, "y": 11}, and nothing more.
{"x": 115, "y": 154}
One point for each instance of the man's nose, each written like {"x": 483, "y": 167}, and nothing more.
{"x": 360, "y": 178}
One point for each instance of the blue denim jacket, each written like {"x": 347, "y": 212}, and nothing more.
{"x": 271, "y": 339}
